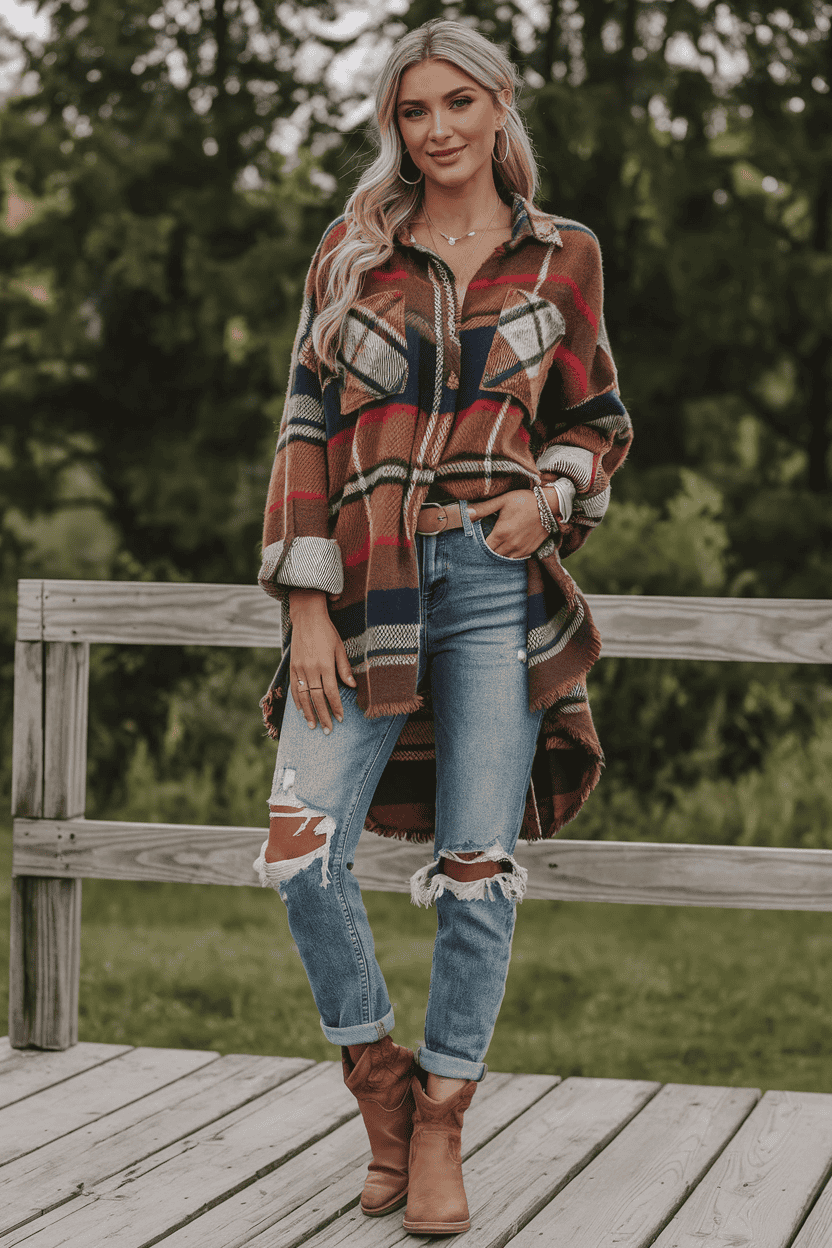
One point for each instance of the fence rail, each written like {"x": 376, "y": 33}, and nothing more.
{"x": 760, "y": 630}
{"x": 55, "y": 847}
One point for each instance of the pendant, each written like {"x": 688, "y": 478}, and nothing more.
{"x": 452, "y": 242}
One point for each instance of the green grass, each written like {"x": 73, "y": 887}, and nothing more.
{"x": 690, "y": 995}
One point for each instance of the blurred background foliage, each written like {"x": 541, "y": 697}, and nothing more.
{"x": 168, "y": 168}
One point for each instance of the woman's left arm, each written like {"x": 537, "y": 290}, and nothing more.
{"x": 581, "y": 431}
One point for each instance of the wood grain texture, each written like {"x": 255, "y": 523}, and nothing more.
{"x": 45, "y": 959}
{"x": 816, "y": 1231}
{"x": 20, "y": 987}
{"x": 104, "y": 849}
{"x": 734, "y": 876}
{"x": 56, "y": 1111}
{"x": 326, "y": 1179}
{"x": 27, "y": 738}
{"x": 628, "y": 1193}
{"x": 513, "y": 1176}
{"x": 773, "y": 630}
{"x": 139, "y": 1205}
{"x": 26, "y": 1071}
{"x": 66, "y": 697}
{"x": 757, "y": 1193}
{"x": 30, "y": 610}
{"x": 57, "y": 1172}
{"x": 160, "y": 613}
{"x": 46, "y": 913}
{"x": 758, "y": 630}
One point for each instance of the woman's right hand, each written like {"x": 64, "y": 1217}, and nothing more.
{"x": 318, "y": 659}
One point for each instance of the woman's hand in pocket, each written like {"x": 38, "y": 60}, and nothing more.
{"x": 518, "y": 532}
{"x": 318, "y": 658}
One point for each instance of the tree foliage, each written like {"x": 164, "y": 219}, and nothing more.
{"x": 168, "y": 169}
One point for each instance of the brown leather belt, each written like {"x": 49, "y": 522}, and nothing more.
{"x": 437, "y": 517}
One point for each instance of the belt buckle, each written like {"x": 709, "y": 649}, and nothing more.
{"x": 441, "y": 516}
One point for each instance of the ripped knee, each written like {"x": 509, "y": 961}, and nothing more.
{"x": 470, "y": 877}
{"x": 298, "y": 836}
{"x": 467, "y": 867}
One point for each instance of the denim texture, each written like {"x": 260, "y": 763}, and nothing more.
{"x": 472, "y": 638}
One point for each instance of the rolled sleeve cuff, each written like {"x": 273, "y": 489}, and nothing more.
{"x": 565, "y": 490}
{"x": 307, "y": 563}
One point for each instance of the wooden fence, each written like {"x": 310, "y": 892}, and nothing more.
{"x": 55, "y": 847}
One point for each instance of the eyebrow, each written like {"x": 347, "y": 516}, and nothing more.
{"x": 447, "y": 96}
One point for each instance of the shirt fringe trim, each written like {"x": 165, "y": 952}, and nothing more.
{"x": 396, "y": 833}
{"x": 550, "y": 696}
{"x": 407, "y": 707}
{"x": 267, "y": 706}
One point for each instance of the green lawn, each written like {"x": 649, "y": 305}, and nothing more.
{"x": 694, "y": 996}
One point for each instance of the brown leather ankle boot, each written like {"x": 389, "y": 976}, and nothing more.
{"x": 436, "y": 1203}
{"x": 380, "y": 1082}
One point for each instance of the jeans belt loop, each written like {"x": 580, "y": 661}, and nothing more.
{"x": 466, "y": 519}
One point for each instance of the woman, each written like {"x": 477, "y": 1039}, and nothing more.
{"x": 450, "y": 428}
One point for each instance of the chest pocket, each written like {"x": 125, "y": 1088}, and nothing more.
{"x": 373, "y": 354}
{"x": 527, "y": 335}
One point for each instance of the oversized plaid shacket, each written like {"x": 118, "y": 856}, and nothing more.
{"x": 517, "y": 389}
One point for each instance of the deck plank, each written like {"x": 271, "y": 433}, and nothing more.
{"x": 628, "y": 1193}
{"x": 326, "y": 1178}
{"x": 147, "y": 1201}
{"x": 758, "y": 1192}
{"x": 24, "y": 1072}
{"x": 45, "y": 1179}
{"x": 816, "y": 1231}
{"x": 513, "y": 1176}
{"x": 55, "y": 1111}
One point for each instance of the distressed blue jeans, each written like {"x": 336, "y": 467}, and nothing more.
{"x": 472, "y": 648}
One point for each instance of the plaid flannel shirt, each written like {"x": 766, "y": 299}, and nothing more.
{"x": 516, "y": 388}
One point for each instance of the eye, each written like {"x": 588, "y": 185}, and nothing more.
{"x": 461, "y": 99}
{"x": 413, "y": 112}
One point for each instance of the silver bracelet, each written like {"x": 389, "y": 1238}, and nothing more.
{"x": 547, "y": 518}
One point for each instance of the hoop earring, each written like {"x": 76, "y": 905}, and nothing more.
{"x": 399, "y": 173}
{"x": 508, "y": 146}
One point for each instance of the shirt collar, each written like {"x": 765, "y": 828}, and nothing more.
{"x": 526, "y": 222}
{"x": 529, "y": 222}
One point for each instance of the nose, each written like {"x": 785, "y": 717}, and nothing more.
{"x": 439, "y": 127}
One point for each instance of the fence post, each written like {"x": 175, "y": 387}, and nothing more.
{"x": 50, "y": 753}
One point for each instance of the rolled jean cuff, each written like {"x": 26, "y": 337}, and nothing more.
{"x": 362, "y": 1033}
{"x": 449, "y": 1067}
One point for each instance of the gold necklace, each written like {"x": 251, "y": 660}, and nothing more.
{"x": 452, "y": 241}
{"x": 476, "y": 245}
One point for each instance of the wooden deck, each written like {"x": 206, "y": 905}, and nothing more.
{"x": 111, "y": 1145}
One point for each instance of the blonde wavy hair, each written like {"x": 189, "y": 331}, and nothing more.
{"x": 382, "y": 203}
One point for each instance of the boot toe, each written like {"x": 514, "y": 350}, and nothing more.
{"x": 377, "y": 1199}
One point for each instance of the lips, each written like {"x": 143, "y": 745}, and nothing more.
{"x": 450, "y": 151}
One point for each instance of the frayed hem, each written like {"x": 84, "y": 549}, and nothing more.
{"x": 392, "y": 832}
{"x": 572, "y": 811}
{"x": 407, "y": 707}
{"x": 545, "y": 701}
{"x": 268, "y": 707}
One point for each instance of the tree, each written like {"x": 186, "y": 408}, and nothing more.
{"x": 155, "y": 247}
{"x": 174, "y": 165}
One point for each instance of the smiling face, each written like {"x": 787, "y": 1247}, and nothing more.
{"x": 448, "y": 122}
